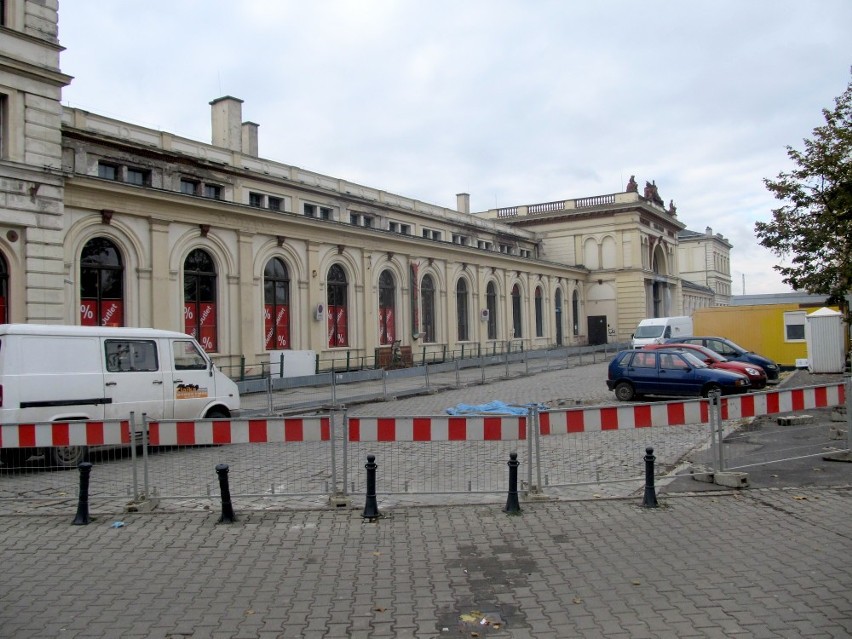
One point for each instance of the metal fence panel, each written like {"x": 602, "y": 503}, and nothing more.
{"x": 308, "y": 460}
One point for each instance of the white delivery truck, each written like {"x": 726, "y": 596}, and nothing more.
{"x": 63, "y": 373}
{"x": 657, "y": 330}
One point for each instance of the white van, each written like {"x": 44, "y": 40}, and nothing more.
{"x": 62, "y": 373}
{"x": 657, "y": 330}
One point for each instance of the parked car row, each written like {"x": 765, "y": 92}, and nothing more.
{"x": 726, "y": 348}
{"x": 688, "y": 366}
{"x": 756, "y": 375}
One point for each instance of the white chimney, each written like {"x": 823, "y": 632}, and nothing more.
{"x": 250, "y": 138}
{"x": 463, "y": 202}
{"x": 226, "y": 117}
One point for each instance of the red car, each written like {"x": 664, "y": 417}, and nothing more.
{"x": 755, "y": 374}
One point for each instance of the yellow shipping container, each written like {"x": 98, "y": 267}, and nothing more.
{"x": 776, "y": 331}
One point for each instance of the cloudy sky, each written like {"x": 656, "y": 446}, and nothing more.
{"x": 514, "y": 102}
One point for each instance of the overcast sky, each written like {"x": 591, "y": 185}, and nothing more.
{"x": 514, "y": 102}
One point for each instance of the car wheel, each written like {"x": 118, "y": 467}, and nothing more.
{"x": 217, "y": 413}
{"x": 624, "y": 391}
{"x": 65, "y": 456}
{"x": 711, "y": 388}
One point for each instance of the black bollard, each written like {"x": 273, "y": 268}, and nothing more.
{"x": 650, "y": 499}
{"x": 513, "y": 507}
{"x": 371, "y": 507}
{"x": 82, "y": 517}
{"x": 228, "y": 516}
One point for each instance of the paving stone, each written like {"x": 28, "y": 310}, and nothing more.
{"x": 757, "y": 563}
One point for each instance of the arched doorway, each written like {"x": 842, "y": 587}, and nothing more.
{"x": 4, "y": 290}
{"x": 338, "y": 331}
{"x": 276, "y": 305}
{"x": 101, "y": 284}
{"x": 427, "y": 308}
{"x": 199, "y": 298}
{"x": 558, "y": 310}
{"x": 387, "y": 306}
{"x": 462, "y": 320}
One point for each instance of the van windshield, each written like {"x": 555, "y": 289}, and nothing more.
{"x": 654, "y": 330}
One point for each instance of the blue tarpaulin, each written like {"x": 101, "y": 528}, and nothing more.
{"x": 494, "y": 408}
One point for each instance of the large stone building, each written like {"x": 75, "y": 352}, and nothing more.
{"x": 105, "y": 222}
{"x": 705, "y": 262}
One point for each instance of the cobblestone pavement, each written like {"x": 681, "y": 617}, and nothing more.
{"x": 301, "y": 475}
{"x": 580, "y": 384}
{"x": 765, "y": 563}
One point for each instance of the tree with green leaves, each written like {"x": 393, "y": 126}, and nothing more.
{"x": 814, "y": 226}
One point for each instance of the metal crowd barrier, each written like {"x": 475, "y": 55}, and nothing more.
{"x": 316, "y": 460}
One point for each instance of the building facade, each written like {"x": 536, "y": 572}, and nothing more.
{"x": 627, "y": 241}
{"x": 31, "y": 178}
{"x": 705, "y": 260}
{"x": 106, "y": 222}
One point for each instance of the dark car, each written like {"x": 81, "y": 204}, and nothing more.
{"x": 756, "y": 375}
{"x": 668, "y": 372}
{"x": 726, "y": 348}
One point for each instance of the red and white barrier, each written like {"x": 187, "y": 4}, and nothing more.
{"x": 697, "y": 411}
{"x": 166, "y": 433}
{"x": 783, "y": 401}
{"x": 438, "y": 428}
{"x": 239, "y": 431}
{"x": 57, "y": 434}
{"x": 601, "y": 418}
{"x": 431, "y": 429}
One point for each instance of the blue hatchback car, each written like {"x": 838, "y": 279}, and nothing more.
{"x": 734, "y": 352}
{"x": 668, "y": 372}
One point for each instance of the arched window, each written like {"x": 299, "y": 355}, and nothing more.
{"x": 516, "y": 312}
{"x": 101, "y": 284}
{"x": 462, "y": 311}
{"x": 539, "y": 313}
{"x": 338, "y": 334}
{"x": 199, "y": 298}
{"x": 276, "y": 305}
{"x": 4, "y": 290}
{"x": 427, "y": 306}
{"x": 558, "y": 310}
{"x": 575, "y": 312}
{"x": 491, "y": 306}
{"x": 387, "y": 304}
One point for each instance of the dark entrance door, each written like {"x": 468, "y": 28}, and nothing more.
{"x": 597, "y": 329}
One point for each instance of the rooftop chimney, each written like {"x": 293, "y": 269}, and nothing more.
{"x": 226, "y": 117}
{"x": 250, "y": 138}
{"x": 463, "y": 202}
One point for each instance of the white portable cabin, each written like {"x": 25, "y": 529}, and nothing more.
{"x": 824, "y": 337}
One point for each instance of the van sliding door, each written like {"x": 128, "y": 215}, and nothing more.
{"x": 133, "y": 379}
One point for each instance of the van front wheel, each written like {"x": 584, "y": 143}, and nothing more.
{"x": 65, "y": 456}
